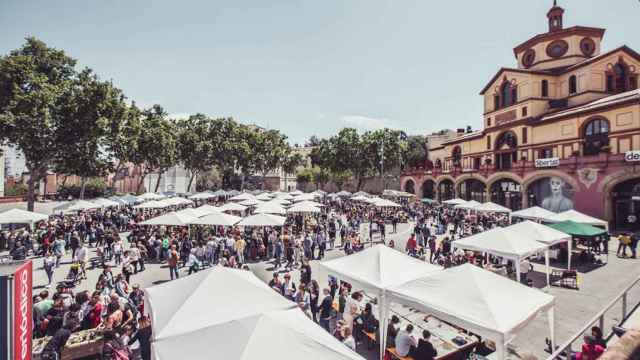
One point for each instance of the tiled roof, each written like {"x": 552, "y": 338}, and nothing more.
{"x": 597, "y": 104}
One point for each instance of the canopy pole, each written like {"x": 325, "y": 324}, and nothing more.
{"x": 546, "y": 256}
{"x": 517, "y": 265}
{"x": 552, "y": 327}
{"x": 382, "y": 329}
{"x": 569, "y": 253}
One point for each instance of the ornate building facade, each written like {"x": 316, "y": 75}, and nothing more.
{"x": 561, "y": 131}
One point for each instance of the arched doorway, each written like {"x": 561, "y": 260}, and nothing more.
{"x": 429, "y": 189}
{"x": 626, "y": 205}
{"x": 472, "y": 189}
{"x": 552, "y": 193}
{"x": 446, "y": 190}
{"x": 508, "y": 193}
{"x": 410, "y": 186}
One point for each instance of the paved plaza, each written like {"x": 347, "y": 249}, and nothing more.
{"x": 573, "y": 307}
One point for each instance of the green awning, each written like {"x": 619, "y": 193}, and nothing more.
{"x": 576, "y": 229}
{"x": 429, "y": 201}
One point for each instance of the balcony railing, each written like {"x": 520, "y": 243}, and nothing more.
{"x": 620, "y": 303}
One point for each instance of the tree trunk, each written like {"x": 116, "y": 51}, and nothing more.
{"x": 193, "y": 176}
{"x": 140, "y": 183}
{"x": 285, "y": 183}
{"x": 242, "y": 182}
{"x": 360, "y": 180}
{"x": 31, "y": 191}
{"x": 115, "y": 176}
{"x": 83, "y": 186}
{"x": 64, "y": 180}
{"x": 158, "y": 182}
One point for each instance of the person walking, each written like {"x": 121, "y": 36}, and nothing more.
{"x": 173, "y": 263}
{"x": 326, "y": 309}
{"x": 49, "y": 264}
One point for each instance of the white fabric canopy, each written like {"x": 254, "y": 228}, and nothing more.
{"x": 177, "y": 201}
{"x": 170, "y": 219}
{"x": 131, "y": 199}
{"x": 376, "y": 270}
{"x": 151, "y": 205}
{"x": 281, "y": 334}
{"x": 312, "y": 203}
{"x": 477, "y": 300}
{"x": 360, "y": 198}
{"x": 195, "y": 302}
{"x": 533, "y": 213}
{"x": 77, "y": 205}
{"x": 492, "y": 207}
{"x": 232, "y": 207}
{"x": 543, "y": 234}
{"x": 469, "y": 205}
{"x": 217, "y": 218}
{"x": 102, "y": 202}
{"x": 505, "y": 243}
{"x": 150, "y": 196}
{"x": 386, "y": 203}
{"x": 343, "y": 193}
{"x": 189, "y": 212}
{"x": 456, "y": 201}
{"x": 263, "y": 220}
{"x": 206, "y": 210}
{"x": 270, "y": 208}
{"x": 18, "y": 216}
{"x": 296, "y": 193}
{"x": 303, "y": 208}
{"x": 264, "y": 197}
{"x": 305, "y": 197}
{"x": 202, "y": 196}
{"x": 578, "y": 217}
{"x": 242, "y": 197}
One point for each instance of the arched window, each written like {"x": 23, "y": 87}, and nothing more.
{"x": 596, "y": 136}
{"x": 573, "y": 84}
{"x": 505, "y": 94}
{"x": 456, "y": 156}
{"x": 620, "y": 78}
{"x": 505, "y": 151}
{"x": 545, "y": 88}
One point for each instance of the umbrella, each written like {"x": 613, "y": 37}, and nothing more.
{"x": 202, "y": 196}
{"x": 232, "y": 207}
{"x": 263, "y": 220}
{"x": 429, "y": 201}
{"x": 576, "y": 229}
{"x": 344, "y": 193}
{"x": 386, "y": 203}
{"x": 18, "y": 216}
{"x": 217, "y": 218}
{"x": 77, "y": 205}
{"x": 170, "y": 219}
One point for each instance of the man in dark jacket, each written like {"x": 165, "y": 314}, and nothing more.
{"x": 425, "y": 350}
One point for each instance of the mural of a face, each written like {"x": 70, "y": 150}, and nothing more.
{"x": 552, "y": 193}
{"x": 556, "y": 184}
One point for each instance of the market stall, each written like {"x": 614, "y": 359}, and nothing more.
{"x": 534, "y": 213}
{"x": 376, "y": 269}
{"x": 477, "y": 300}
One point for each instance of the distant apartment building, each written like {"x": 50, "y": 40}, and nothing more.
{"x": 174, "y": 180}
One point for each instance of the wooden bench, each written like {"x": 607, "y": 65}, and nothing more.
{"x": 371, "y": 339}
{"x": 395, "y": 355}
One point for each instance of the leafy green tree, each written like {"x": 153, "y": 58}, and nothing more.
{"x": 156, "y": 148}
{"x": 416, "y": 152}
{"x": 123, "y": 136}
{"x": 270, "y": 149}
{"x": 90, "y": 109}
{"x": 290, "y": 164}
{"x": 194, "y": 147}
{"x": 320, "y": 176}
{"x": 33, "y": 80}
{"x": 304, "y": 176}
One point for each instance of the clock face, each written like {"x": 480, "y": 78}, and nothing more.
{"x": 557, "y": 48}
{"x": 528, "y": 58}
{"x": 587, "y": 46}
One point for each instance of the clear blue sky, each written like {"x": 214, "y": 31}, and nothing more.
{"x": 306, "y": 67}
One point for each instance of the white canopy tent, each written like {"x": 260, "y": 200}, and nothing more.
{"x": 469, "y": 205}
{"x": 386, "y": 203}
{"x": 312, "y": 203}
{"x": 542, "y": 233}
{"x": 361, "y": 193}
{"x": 232, "y": 207}
{"x": 242, "y": 197}
{"x": 170, "y": 219}
{"x": 492, "y": 207}
{"x": 77, "y": 205}
{"x": 578, "y": 217}
{"x": 477, "y": 300}
{"x": 189, "y": 212}
{"x": 206, "y": 210}
{"x": 18, "y": 216}
{"x": 504, "y": 243}
{"x": 270, "y": 208}
{"x": 296, "y": 193}
{"x": 216, "y": 218}
{"x": 343, "y": 193}
{"x": 131, "y": 199}
{"x": 376, "y": 270}
{"x": 151, "y": 205}
{"x": 456, "y": 201}
{"x": 263, "y": 220}
{"x": 305, "y": 197}
{"x": 280, "y": 334}
{"x": 174, "y": 201}
{"x": 303, "y": 208}
{"x": 150, "y": 196}
{"x": 202, "y": 196}
{"x": 534, "y": 213}
{"x": 359, "y": 198}
{"x": 264, "y": 197}
{"x": 102, "y": 202}
{"x": 250, "y": 202}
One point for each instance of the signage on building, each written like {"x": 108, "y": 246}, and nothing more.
{"x": 547, "y": 162}
{"x": 506, "y": 117}
{"x": 632, "y": 156}
{"x": 22, "y": 318}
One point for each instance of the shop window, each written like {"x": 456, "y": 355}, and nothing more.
{"x": 596, "y": 136}
{"x": 524, "y": 135}
{"x": 573, "y": 84}
{"x": 545, "y": 88}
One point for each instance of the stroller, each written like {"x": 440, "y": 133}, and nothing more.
{"x": 73, "y": 277}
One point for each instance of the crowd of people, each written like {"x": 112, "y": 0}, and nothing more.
{"x": 117, "y": 308}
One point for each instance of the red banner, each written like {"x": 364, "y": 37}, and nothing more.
{"x": 23, "y": 319}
